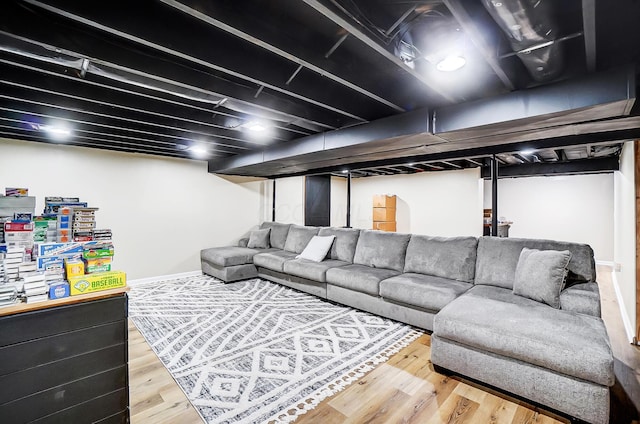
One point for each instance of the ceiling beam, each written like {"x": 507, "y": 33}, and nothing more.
{"x": 478, "y": 38}
{"x": 162, "y": 77}
{"x": 185, "y": 48}
{"x": 297, "y": 57}
{"x": 581, "y": 166}
{"x": 589, "y": 32}
{"x": 371, "y": 43}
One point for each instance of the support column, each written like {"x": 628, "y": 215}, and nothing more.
{"x": 273, "y": 202}
{"x": 349, "y": 199}
{"x": 636, "y": 166}
{"x": 494, "y": 196}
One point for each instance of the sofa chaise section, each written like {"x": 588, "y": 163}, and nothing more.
{"x": 559, "y": 357}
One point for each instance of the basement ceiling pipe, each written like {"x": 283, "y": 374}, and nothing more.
{"x": 531, "y": 33}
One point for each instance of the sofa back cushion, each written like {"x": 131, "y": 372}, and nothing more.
{"x": 298, "y": 238}
{"x": 378, "y": 249}
{"x": 447, "y": 257}
{"x": 278, "y": 235}
{"x": 498, "y": 257}
{"x": 344, "y": 246}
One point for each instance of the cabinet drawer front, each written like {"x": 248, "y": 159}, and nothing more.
{"x": 25, "y": 382}
{"x": 45, "y": 322}
{"x": 56, "y": 400}
{"x": 110, "y": 408}
{"x": 42, "y": 351}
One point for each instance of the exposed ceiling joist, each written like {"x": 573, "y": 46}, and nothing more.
{"x": 589, "y": 32}
{"x": 368, "y": 41}
{"x": 478, "y": 38}
{"x": 300, "y": 57}
{"x": 243, "y": 70}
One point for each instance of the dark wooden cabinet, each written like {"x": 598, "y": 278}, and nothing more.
{"x": 67, "y": 363}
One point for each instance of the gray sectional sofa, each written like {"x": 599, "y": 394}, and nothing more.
{"x": 479, "y": 297}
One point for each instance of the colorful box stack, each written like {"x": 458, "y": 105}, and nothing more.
{"x": 19, "y": 234}
{"x": 84, "y": 222}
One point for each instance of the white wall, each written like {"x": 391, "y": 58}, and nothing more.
{"x": 290, "y": 200}
{"x": 447, "y": 203}
{"x": 338, "y": 202}
{"x": 162, "y": 211}
{"x": 576, "y": 208}
{"x": 625, "y": 237}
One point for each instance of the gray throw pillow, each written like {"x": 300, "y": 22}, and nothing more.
{"x": 540, "y": 275}
{"x": 259, "y": 239}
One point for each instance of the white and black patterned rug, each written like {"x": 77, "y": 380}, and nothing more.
{"x": 254, "y": 351}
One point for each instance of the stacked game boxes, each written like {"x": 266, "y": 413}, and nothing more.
{"x": 102, "y": 234}
{"x": 97, "y": 257}
{"x": 63, "y": 226}
{"x": 84, "y": 222}
{"x": 32, "y": 282}
{"x": 1, "y": 268}
{"x": 8, "y": 295}
{"x": 12, "y": 260}
{"x": 53, "y": 204}
{"x": 19, "y": 234}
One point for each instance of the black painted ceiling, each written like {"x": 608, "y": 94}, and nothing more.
{"x": 165, "y": 76}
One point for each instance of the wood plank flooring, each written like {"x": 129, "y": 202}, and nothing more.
{"x": 405, "y": 389}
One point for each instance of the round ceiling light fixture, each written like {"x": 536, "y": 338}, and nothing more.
{"x": 451, "y": 63}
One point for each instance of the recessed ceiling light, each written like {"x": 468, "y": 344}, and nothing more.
{"x": 451, "y": 63}
{"x": 198, "y": 151}
{"x": 57, "y": 132}
{"x": 345, "y": 171}
{"x": 255, "y": 126}
{"x": 527, "y": 152}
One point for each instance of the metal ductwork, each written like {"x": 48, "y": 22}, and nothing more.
{"x": 532, "y": 34}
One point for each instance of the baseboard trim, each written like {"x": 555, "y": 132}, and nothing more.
{"x": 623, "y": 310}
{"x": 164, "y": 277}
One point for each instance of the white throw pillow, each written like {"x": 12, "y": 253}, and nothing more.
{"x": 317, "y": 248}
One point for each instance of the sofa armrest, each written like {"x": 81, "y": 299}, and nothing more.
{"x": 243, "y": 242}
{"x": 583, "y": 298}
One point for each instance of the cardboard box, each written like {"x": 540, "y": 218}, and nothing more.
{"x": 384, "y": 214}
{"x": 91, "y": 266}
{"x": 58, "y": 290}
{"x": 48, "y": 249}
{"x": 73, "y": 267}
{"x": 18, "y": 226}
{"x": 46, "y": 263}
{"x": 97, "y": 253}
{"x": 385, "y": 226}
{"x": 97, "y": 282}
{"x": 384, "y": 201}
{"x": 16, "y": 191}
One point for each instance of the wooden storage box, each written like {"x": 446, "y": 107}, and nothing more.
{"x": 384, "y": 214}
{"x": 384, "y": 201}
{"x": 385, "y": 226}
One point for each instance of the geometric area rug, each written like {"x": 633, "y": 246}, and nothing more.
{"x": 255, "y": 351}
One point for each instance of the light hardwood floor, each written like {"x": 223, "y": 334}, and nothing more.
{"x": 403, "y": 390}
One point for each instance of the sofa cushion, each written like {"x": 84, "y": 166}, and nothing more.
{"x": 273, "y": 260}
{"x": 447, "y": 257}
{"x": 278, "y": 234}
{"x": 259, "y": 239}
{"x": 344, "y": 246}
{"x": 501, "y": 294}
{"x": 498, "y": 257}
{"x": 298, "y": 238}
{"x": 378, "y": 249}
{"x": 316, "y": 271}
{"x": 581, "y": 298}
{"x": 317, "y": 248}
{"x": 360, "y": 278}
{"x": 228, "y": 256}
{"x": 424, "y": 291}
{"x": 540, "y": 275}
{"x": 572, "y": 344}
